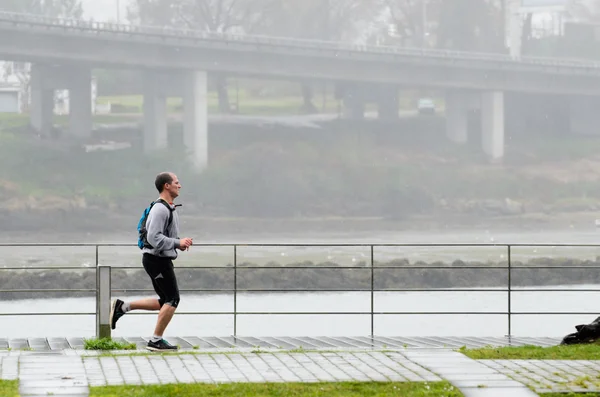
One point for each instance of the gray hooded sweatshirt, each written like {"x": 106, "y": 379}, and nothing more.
{"x": 164, "y": 241}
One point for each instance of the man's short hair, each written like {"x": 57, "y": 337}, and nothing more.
{"x": 162, "y": 179}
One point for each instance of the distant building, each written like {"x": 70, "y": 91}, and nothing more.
{"x": 13, "y": 90}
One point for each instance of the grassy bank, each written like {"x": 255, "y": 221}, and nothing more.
{"x": 570, "y": 352}
{"x": 341, "y": 389}
{"x": 345, "y": 170}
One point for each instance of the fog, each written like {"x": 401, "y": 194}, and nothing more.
{"x": 305, "y": 122}
{"x": 385, "y": 121}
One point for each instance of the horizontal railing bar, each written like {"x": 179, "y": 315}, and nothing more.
{"x": 554, "y": 267}
{"x": 557, "y": 313}
{"x": 325, "y": 313}
{"x": 517, "y": 289}
{"x": 562, "y": 245}
{"x": 176, "y": 268}
{"x": 47, "y": 290}
{"x": 50, "y": 314}
{"x": 92, "y": 269}
{"x": 419, "y": 290}
{"x": 377, "y": 290}
{"x": 353, "y": 290}
{"x": 378, "y": 313}
{"x": 318, "y": 290}
{"x": 306, "y": 313}
{"x": 278, "y": 267}
{"x": 407, "y": 267}
{"x": 180, "y": 290}
{"x": 369, "y": 267}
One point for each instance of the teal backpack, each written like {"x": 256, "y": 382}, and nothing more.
{"x": 141, "y": 228}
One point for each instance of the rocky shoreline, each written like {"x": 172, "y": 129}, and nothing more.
{"x": 396, "y": 274}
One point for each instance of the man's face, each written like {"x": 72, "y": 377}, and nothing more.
{"x": 173, "y": 187}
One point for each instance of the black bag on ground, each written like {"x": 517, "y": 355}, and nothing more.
{"x": 586, "y": 333}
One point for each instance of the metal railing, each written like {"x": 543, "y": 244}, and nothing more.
{"x": 194, "y": 36}
{"x": 103, "y": 289}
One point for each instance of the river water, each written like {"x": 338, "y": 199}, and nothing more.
{"x": 323, "y": 324}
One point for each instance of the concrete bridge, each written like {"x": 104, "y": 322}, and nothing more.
{"x": 175, "y": 62}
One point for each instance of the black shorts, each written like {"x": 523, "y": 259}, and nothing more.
{"x": 162, "y": 274}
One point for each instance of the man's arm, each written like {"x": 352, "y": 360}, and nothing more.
{"x": 155, "y": 227}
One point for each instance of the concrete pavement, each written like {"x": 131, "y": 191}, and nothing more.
{"x": 66, "y": 370}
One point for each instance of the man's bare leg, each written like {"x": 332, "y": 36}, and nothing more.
{"x": 164, "y": 318}
{"x": 145, "y": 304}
{"x": 120, "y": 308}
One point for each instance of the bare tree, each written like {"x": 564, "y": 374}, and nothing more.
{"x": 53, "y": 8}
{"x": 410, "y": 18}
{"x": 224, "y": 16}
{"x": 331, "y": 20}
{"x": 307, "y": 19}
{"x": 585, "y": 10}
{"x": 470, "y": 25}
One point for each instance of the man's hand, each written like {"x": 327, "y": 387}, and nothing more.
{"x": 185, "y": 243}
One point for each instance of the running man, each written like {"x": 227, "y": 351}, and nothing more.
{"x": 160, "y": 249}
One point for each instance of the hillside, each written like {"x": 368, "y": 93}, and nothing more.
{"x": 407, "y": 170}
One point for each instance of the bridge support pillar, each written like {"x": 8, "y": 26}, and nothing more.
{"x": 354, "y": 101}
{"x": 42, "y": 103}
{"x": 388, "y": 103}
{"x": 492, "y": 124}
{"x": 155, "y": 114}
{"x": 195, "y": 118}
{"x": 457, "y": 106}
{"x": 80, "y": 103}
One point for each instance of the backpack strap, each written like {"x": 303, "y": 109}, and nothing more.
{"x": 170, "y": 211}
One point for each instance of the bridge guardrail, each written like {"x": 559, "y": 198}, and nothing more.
{"x": 194, "y": 35}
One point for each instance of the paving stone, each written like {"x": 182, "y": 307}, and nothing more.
{"x": 179, "y": 370}
{"x": 10, "y": 368}
{"x": 39, "y": 344}
{"x": 497, "y": 392}
{"x": 75, "y": 343}
{"x": 52, "y": 375}
{"x": 18, "y": 343}
{"x": 280, "y": 343}
{"x": 215, "y": 372}
{"x": 295, "y": 367}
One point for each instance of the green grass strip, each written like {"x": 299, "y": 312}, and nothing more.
{"x": 567, "y": 352}
{"x": 346, "y": 389}
{"x": 9, "y": 388}
{"x": 107, "y": 344}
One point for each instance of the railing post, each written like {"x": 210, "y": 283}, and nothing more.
{"x": 235, "y": 290}
{"x": 103, "y": 288}
{"x": 509, "y": 292}
{"x": 372, "y": 293}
